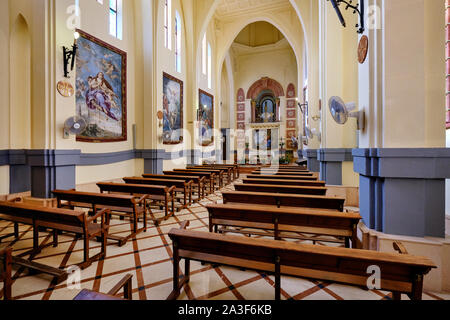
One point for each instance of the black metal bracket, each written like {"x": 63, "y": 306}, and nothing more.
{"x": 357, "y": 8}
{"x": 69, "y": 58}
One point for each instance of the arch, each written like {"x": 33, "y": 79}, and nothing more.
{"x": 265, "y": 84}
{"x": 209, "y": 13}
{"x": 20, "y": 85}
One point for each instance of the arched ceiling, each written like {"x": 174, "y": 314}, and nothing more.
{"x": 258, "y": 34}
{"x": 232, "y": 8}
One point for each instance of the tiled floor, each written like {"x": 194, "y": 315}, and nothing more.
{"x": 148, "y": 259}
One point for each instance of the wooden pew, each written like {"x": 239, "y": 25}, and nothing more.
{"x": 283, "y": 222}
{"x": 198, "y": 183}
{"x": 283, "y": 173}
{"x": 234, "y": 167}
{"x": 228, "y": 170}
{"x": 125, "y": 284}
{"x": 316, "y": 191}
{"x": 305, "y": 183}
{"x": 177, "y": 185}
{"x": 284, "y": 200}
{"x": 209, "y": 176}
{"x": 158, "y": 193}
{"x": 121, "y": 205}
{"x": 5, "y": 272}
{"x": 399, "y": 273}
{"x": 58, "y": 220}
{"x": 281, "y": 177}
{"x": 219, "y": 174}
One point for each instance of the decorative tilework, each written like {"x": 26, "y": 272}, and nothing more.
{"x": 291, "y": 113}
{"x": 290, "y": 103}
{"x": 291, "y": 124}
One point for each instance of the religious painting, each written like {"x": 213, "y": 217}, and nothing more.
{"x": 291, "y": 114}
{"x": 101, "y": 90}
{"x": 206, "y": 118}
{"x": 172, "y": 110}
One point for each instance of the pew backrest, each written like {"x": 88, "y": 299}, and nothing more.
{"x": 284, "y": 200}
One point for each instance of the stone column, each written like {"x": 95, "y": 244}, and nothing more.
{"x": 402, "y": 191}
{"x": 331, "y": 164}
{"x": 52, "y": 169}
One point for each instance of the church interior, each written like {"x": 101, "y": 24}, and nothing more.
{"x": 224, "y": 150}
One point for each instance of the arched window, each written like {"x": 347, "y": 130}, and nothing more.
{"x": 209, "y": 66}
{"x": 115, "y": 18}
{"x": 168, "y": 24}
{"x": 178, "y": 42}
{"x": 204, "y": 54}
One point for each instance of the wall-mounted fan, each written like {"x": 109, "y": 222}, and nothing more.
{"x": 311, "y": 133}
{"x": 341, "y": 112}
{"x": 74, "y": 126}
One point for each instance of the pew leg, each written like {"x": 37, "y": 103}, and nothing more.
{"x": 347, "y": 242}
{"x": 397, "y": 296}
{"x": 16, "y": 230}
{"x": 86, "y": 249}
{"x": 277, "y": 279}
{"x": 55, "y": 238}
{"x": 417, "y": 288}
{"x": 187, "y": 270}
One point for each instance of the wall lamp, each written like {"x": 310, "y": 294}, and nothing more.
{"x": 69, "y": 55}
{"x": 358, "y": 8}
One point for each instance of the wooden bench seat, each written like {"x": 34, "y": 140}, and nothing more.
{"x": 156, "y": 193}
{"x": 399, "y": 273}
{"x": 284, "y": 200}
{"x": 125, "y": 284}
{"x": 317, "y": 191}
{"x": 198, "y": 183}
{"x": 306, "y": 183}
{"x": 59, "y": 220}
{"x": 281, "y": 177}
{"x": 175, "y": 186}
{"x": 129, "y": 206}
{"x": 210, "y": 177}
{"x": 285, "y": 220}
{"x": 5, "y": 272}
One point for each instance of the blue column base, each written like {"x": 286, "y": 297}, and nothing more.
{"x": 402, "y": 191}
{"x": 331, "y": 164}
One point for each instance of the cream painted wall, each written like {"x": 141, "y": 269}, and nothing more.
{"x": 165, "y": 62}
{"x": 414, "y": 86}
{"x": 90, "y": 174}
{"x": 4, "y": 180}
{"x": 4, "y": 74}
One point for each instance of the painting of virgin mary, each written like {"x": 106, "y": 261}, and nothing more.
{"x": 101, "y": 90}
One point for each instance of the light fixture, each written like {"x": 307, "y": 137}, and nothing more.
{"x": 69, "y": 55}
{"x": 358, "y": 8}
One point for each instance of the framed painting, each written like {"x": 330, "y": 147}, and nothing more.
{"x": 172, "y": 110}
{"x": 206, "y": 118}
{"x": 101, "y": 93}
